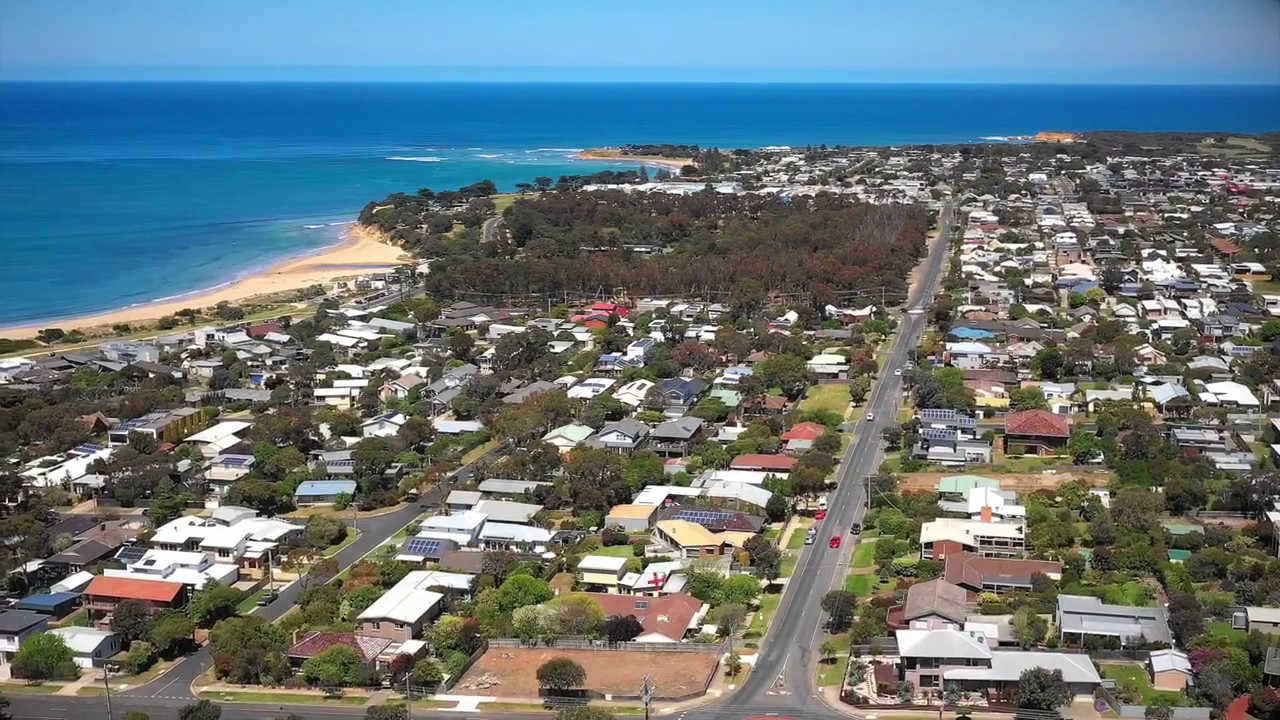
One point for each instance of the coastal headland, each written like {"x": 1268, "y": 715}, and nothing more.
{"x": 613, "y": 153}
{"x": 363, "y": 251}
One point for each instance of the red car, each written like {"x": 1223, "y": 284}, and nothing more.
{"x": 835, "y": 541}
{"x": 820, "y": 515}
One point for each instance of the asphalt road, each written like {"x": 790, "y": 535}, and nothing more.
{"x": 782, "y": 681}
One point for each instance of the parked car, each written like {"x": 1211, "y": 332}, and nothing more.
{"x": 267, "y": 599}
{"x": 855, "y": 528}
{"x": 820, "y": 515}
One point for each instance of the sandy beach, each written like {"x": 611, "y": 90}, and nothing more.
{"x": 612, "y": 154}
{"x": 362, "y": 252}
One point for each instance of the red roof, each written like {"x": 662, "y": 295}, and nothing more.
{"x": 760, "y": 461}
{"x": 1037, "y": 423}
{"x": 668, "y": 615}
{"x": 132, "y": 588}
{"x": 614, "y": 308}
{"x": 805, "y": 431}
{"x": 969, "y": 570}
{"x": 1224, "y": 246}
{"x": 258, "y": 331}
{"x": 367, "y": 646}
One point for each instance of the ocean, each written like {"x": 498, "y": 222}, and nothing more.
{"x": 118, "y": 194}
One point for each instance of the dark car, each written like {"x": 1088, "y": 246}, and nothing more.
{"x": 855, "y": 528}
{"x": 267, "y": 599}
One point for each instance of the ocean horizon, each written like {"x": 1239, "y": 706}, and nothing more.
{"x": 114, "y": 194}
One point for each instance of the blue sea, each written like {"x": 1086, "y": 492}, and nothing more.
{"x": 118, "y": 194}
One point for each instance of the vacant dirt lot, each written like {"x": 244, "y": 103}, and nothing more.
{"x": 1021, "y": 482}
{"x": 610, "y": 672}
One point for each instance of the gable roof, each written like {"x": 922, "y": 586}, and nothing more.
{"x": 761, "y": 461}
{"x": 936, "y": 597}
{"x": 1041, "y": 423}
{"x": 134, "y": 589}
{"x": 669, "y": 616}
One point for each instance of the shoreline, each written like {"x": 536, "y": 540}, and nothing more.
{"x": 362, "y": 251}
{"x": 607, "y": 154}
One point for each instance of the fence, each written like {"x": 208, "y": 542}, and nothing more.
{"x": 578, "y": 643}
{"x": 452, "y": 680}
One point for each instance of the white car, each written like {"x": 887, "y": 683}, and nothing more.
{"x": 915, "y": 311}
{"x": 871, "y": 417}
{"x": 897, "y": 372}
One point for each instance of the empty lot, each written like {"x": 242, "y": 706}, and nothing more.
{"x": 609, "y": 672}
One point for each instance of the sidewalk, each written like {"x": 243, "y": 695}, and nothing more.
{"x": 72, "y": 688}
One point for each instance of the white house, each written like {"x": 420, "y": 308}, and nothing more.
{"x": 90, "y": 647}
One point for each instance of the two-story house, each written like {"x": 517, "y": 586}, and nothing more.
{"x": 15, "y": 627}
{"x": 601, "y": 573}
{"x": 945, "y": 536}
{"x": 105, "y": 592}
{"x": 623, "y": 437}
{"x": 676, "y": 437}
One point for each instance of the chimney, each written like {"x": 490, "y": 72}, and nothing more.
{"x": 986, "y": 513}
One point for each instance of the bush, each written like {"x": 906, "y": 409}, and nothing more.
{"x": 455, "y": 663}
{"x": 637, "y": 549}
{"x": 141, "y": 657}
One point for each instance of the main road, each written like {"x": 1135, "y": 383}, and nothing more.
{"x": 781, "y": 682}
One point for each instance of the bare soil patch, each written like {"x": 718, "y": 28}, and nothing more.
{"x": 1021, "y": 482}
{"x": 612, "y": 672}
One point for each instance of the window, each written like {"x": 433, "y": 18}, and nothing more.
{"x": 377, "y": 626}
{"x": 928, "y": 681}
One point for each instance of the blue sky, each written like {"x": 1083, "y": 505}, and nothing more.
{"x": 1082, "y": 41}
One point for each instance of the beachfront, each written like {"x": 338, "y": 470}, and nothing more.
{"x": 362, "y": 252}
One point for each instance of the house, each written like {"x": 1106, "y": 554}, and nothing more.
{"x": 515, "y": 537}
{"x": 1271, "y": 667}
{"x": 383, "y": 426}
{"x": 402, "y": 611}
{"x": 15, "y": 627}
{"x": 801, "y": 436}
{"x": 668, "y": 618}
{"x": 506, "y": 511}
{"x": 947, "y": 536}
{"x": 1265, "y": 620}
{"x": 631, "y": 518}
{"x": 322, "y": 492}
{"x": 693, "y": 540}
{"x": 681, "y": 393}
{"x": 953, "y": 486}
{"x": 90, "y": 648}
{"x": 623, "y": 437}
{"x": 634, "y": 393}
{"x": 602, "y": 573}
{"x": 763, "y": 463}
{"x": 1036, "y": 432}
{"x": 568, "y": 437}
{"x": 499, "y": 489}
{"x": 931, "y": 658}
{"x": 676, "y": 437}
{"x": 1170, "y": 670}
{"x": 459, "y": 500}
{"x": 104, "y": 593}
{"x": 1079, "y": 616}
{"x": 931, "y": 605}
{"x": 527, "y": 392}
{"x": 54, "y": 604}
{"x": 979, "y": 573}
{"x": 402, "y": 388}
{"x": 367, "y": 647}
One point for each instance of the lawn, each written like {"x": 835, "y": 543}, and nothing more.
{"x": 1137, "y": 674}
{"x": 865, "y": 554}
{"x": 796, "y": 541}
{"x": 862, "y": 585}
{"x": 250, "y": 601}
{"x": 502, "y": 201}
{"x": 23, "y": 688}
{"x": 831, "y": 672}
{"x": 831, "y": 396}
{"x": 478, "y": 452}
{"x": 622, "y": 551}
{"x": 769, "y": 602}
{"x": 281, "y": 698}
{"x": 788, "y": 565}
{"x": 1223, "y": 629}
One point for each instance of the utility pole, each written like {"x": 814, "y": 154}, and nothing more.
{"x": 408, "y": 693}
{"x": 106, "y": 682}
{"x": 646, "y": 695}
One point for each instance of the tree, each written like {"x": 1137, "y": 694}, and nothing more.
{"x": 733, "y": 664}
{"x": 859, "y": 388}
{"x": 1186, "y": 616}
{"x": 906, "y": 692}
{"x": 167, "y": 506}
{"x": 526, "y": 622}
{"x": 827, "y": 649}
{"x": 786, "y": 372}
{"x": 766, "y": 558}
{"x": 203, "y": 710}
{"x": 338, "y": 666}
{"x": 214, "y": 602}
{"x": 44, "y": 657}
{"x": 249, "y": 650}
{"x": 777, "y": 509}
{"x": 574, "y": 615}
{"x": 521, "y": 590}
{"x": 1042, "y": 689}
{"x": 1048, "y": 363}
{"x": 170, "y": 631}
{"x": 1027, "y": 399}
{"x": 1029, "y": 627}
{"x": 561, "y": 673}
{"x": 622, "y": 628}
{"x": 426, "y": 674}
{"x": 839, "y": 606}
{"x": 739, "y": 590}
{"x": 131, "y": 620}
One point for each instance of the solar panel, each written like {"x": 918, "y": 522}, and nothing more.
{"x": 236, "y": 461}
{"x": 938, "y": 434}
{"x": 704, "y": 516}
{"x": 130, "y": 554}
{"x": 422, "y": 546}
{"x": 87, "y": 449}
{"x": 342, "y": 463}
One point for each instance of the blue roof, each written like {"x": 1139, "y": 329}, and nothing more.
{"x": 326, "y": 487}
{"x": 970, "y": 333}
{"x": 48, "y": 600}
